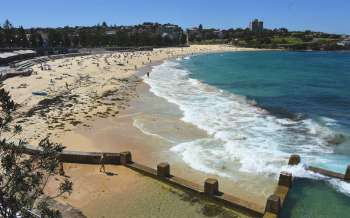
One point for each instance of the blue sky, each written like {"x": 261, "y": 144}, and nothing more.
{"x": 319, "y": 15}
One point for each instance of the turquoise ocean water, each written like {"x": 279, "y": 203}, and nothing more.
{"x": 305, "y": 87}
{"x": 259, "y": 108}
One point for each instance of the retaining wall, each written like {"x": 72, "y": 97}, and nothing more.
{"x": 209, "y": 189}
{"x": 125, "y": 158}
{"x": 81, "y": 157}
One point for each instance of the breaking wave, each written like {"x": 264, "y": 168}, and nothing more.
{"x": 242, "y": 136}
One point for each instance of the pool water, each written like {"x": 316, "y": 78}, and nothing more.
{"x": 315, "y": 199}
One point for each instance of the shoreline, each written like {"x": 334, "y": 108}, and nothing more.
{"x": 117, "y": 133}
{"x": 242, "y": 185}
{"x": 67, "y": 94}
{"x": 121, "y": 134}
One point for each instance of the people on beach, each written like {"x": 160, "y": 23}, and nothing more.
{"x": 147, "y": 74}
{"x": 61, "y": 169}
{"x": 102, "y": 163}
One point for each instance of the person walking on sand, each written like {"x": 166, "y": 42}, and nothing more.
{"x": 61, "y": 169}
{"x": 147, "y": 74}
{"x": 102, "y": 163}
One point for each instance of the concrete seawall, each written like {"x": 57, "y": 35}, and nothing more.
{"x": 210, "y": 187}
{"x": 82, "y": 157}
{"x": 23, "y": 68}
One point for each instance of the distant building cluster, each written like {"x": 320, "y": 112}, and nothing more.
{"x": 166, "y": 30}
{"x": 198, "y": 33}
{"x": 201, "y": 34}
{"x": 256, "y": 26}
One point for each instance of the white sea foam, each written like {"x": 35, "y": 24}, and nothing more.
{"x": 300, "y": 171}
{"x": 243, "y": 136}
{"x": 140, "y": 125}
{"x": 341, "y": 186}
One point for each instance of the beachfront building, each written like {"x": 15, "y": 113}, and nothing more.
{"x": 194, "y": 34}
{"x": 256, "y": 26}
{"x": 199, "y": 34}
{"x": 171, "y": 31}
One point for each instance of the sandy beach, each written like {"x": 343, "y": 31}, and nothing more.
{"x": 68, "y": 93}
{"x": 93, "y": 103}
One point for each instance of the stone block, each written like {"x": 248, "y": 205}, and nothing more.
{"x": 347, "y": 174}
{"x": 125, "y": 157}
{"x": 163, "y": 170}
{"x": 211, "y": 186}
{"x": 285, "y": 179}
{"x": 294, "y": 160}
{"x": 273, "y": 204}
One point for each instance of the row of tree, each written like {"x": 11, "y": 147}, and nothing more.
{"x": 95, "y": 36}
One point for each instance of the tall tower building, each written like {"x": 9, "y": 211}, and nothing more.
{"x": 256, "y": 26}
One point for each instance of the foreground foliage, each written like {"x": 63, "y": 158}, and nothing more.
{"x": 23, "y": 177}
